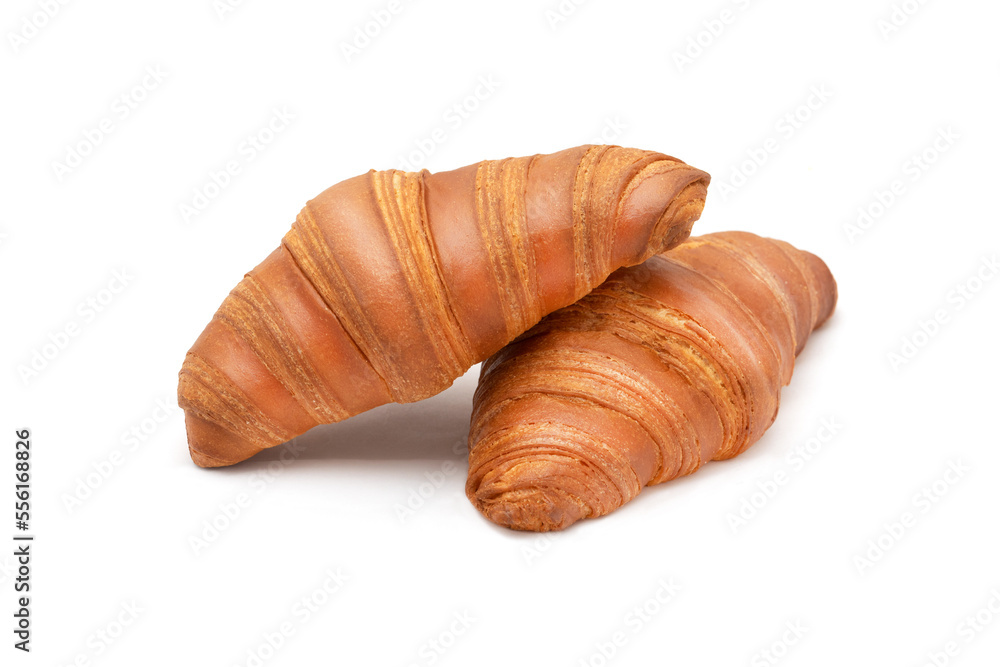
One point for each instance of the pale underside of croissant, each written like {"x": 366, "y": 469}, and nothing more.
{"x": 391, "y": 285}
{"x": 663, "y": 367}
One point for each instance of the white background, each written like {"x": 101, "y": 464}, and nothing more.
{"x": 609, "y": 67}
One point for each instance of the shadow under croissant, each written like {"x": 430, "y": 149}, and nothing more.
{"x": 436, "y": 428}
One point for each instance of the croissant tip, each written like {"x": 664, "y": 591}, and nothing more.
{"x": 207, "y": 440}
{"x": 827, "y": 284}
{"x": 206, "y": 461}
{"x": 537, "y": 510}
{"x": 683, "y": 209}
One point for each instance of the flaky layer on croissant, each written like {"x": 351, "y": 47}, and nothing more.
{"x": 391, "y": 285}
{"x": 663, "y": 367}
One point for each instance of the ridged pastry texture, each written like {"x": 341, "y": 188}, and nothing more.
{"x": 666, "y": 365}
{"x": 392, "y": 284}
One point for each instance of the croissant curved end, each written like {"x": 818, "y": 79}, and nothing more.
{"x": 827, "y": 288}
{"x": 538, "y": 496}
{"x": 201, "y": 436}
{"x": 666, "y": 206}
{"x": 537, "y": 511}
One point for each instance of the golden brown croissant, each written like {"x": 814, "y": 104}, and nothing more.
{"x": 391, "y": 285}
{"x": 663, "y": 367}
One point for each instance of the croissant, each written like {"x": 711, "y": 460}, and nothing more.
{"x": 392, "y": 284}
{"x": 665, "y": 366}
